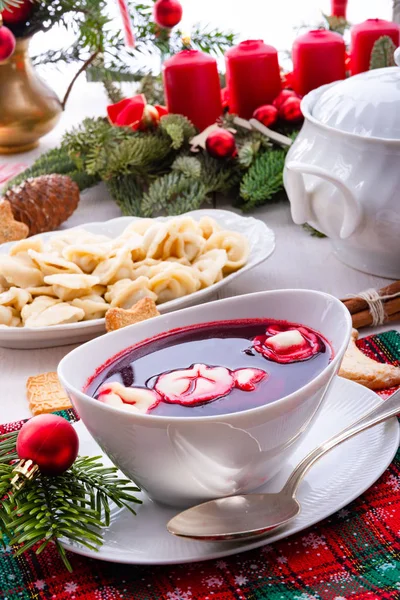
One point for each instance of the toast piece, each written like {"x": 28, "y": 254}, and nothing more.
{"x": 46, "y": 394}
{"x": 116, "y": 318}
{"x": 366, "y": 371}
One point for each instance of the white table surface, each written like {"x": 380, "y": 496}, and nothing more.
{"x": 299, "y": 261}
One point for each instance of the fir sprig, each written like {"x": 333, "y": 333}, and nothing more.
{"x": 74, "y": 506}
{"x": 263, "y": 179}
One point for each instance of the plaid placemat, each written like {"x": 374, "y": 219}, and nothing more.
{"x": 353, "y": 555}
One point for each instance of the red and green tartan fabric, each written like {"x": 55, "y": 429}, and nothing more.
{"x": 353, "y": 555}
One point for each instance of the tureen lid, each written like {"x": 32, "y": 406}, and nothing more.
{"x": 367, "y": 104}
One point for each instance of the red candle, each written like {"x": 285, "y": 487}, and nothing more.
{"x": 338, "y": 8}
{"x": 253, "y": 76}
{"x": 363, "y": 38}
{"x": 192, "y": 87}
{"x": 318, "y": 58}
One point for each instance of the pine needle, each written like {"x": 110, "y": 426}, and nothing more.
{"x": 264, "y": 179}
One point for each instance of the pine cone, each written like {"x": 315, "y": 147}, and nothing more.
{"x": 44, "y": 202}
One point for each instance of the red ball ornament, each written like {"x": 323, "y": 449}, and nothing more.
{"x": 267, "y": 114}
{"x": 18, "y": 14}
{"x": 7, "y": 43}
{"x": 290, "y": 110}
{"x": 283, "y": 96}
{"x": 167, "y": 13}
{"x": 221, "y": 143}
{"x": 50, "y": 442}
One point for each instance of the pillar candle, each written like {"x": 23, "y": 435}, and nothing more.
{"x": 363, "y": 37}
{"x": 318, "y": 58}
{"x": 338, "y": 8}
{"x": 252, "y": 75}
{"x": 192, "y": 87}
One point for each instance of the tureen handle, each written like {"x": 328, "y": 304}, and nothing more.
{"x": 397, "y": 56}
{"x": 301, "y": 200}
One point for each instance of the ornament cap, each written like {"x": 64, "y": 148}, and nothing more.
{"x": 25, "y": 470}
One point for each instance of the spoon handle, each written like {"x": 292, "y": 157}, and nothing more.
{"x": 385, "y": 410}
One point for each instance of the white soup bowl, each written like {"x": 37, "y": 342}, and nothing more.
{"x": 181, "y": 461}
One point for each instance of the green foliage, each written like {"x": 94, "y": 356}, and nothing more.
{"x": 74, "y": 506}
{"x": 56, "y": 161}
{"x": 263, "y": 179}
{"x": 382, "y": 54}
{"x": 313, "y": 232}
{"x": 153, "y": 171}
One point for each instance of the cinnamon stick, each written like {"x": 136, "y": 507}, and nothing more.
{"x": 355, "y": 305}
{"x": 363, "y": 318}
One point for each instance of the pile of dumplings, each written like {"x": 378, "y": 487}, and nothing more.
{"x": 77, "y": 275}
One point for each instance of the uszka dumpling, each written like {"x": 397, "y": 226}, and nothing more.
{"x": 154, "y": 240}
{"x": 113, "y": 269}
{"x": 140, "y": 227}
{"x": 133, "y": 243}
{"x": 16, "y": 298}
{"x": 210, "y": 265}
{"x": 126, "y": 293}
{"x": 144, "y": 267}
{"x": 235, "y": 245}
{"x": 19, "y": 271}
{"x": 58, "y": 314}
{"x": 94, "y": 306}
{"x": 50, "y": 264}
{"x": 208, "y": 226}
{"x": 67, "y": 287}
{"x": 22, "y": 247}
{"x": 86, "y": 256}
{"x": 185, "y": 244}
{"x": 9, "y": 316}
{"x": 174, "y": 282}
{"x": 38, "y": 305}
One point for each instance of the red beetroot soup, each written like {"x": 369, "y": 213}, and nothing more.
{"x": 213, "y": 369}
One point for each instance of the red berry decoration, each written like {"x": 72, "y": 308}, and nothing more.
{"x": 290, "y": 110}
{"x": 267, "y": 114}
{"x": 283, "y": 96}
{"x": 18, "y": 14}
{"x": 7, "y": 43}
{"x": 50, "y": 442}
{"x": 167, "y": 13}
{"x": 221, "y": 143}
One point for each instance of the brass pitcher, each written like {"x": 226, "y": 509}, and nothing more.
{"x": 28, "y": 108}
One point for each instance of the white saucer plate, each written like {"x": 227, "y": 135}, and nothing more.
{"x": 262, "y": 244}
{"x": 335, "y": 481}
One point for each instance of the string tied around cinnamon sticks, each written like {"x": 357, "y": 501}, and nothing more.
{"x": 374, "y": 307}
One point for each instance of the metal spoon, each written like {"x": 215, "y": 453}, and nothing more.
{"x": 250, "y": 515}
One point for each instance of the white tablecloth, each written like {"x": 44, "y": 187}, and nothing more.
{"x": 299, "y": 261}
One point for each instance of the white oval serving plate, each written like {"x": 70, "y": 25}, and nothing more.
{"x": 262, "y": 244}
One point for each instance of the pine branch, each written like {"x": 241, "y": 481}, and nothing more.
{"x": 81, "y": 69}
{"x": 263, "y": 179}
{"x": 173, "y": 193}
{"x": 127, "y": 192}
{"x": 178, "y": 128}
{"x": 74, "y": 506}
{"x": 188, "y": 166}
{"x": 382, "y": 54}
{"x": 55, "y": 161}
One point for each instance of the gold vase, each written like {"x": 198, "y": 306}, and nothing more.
{"x": 28, "y": 108}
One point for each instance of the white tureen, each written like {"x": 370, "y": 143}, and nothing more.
{"x": 342, "y": 174}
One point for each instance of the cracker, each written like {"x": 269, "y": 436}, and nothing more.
{"x": 46, "y": 394}
{"x": 364, "y": 370}
{"x": 116, "y": 318}
{"x": 10, "y": 229}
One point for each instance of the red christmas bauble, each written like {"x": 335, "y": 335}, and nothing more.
{"x": 290, "y": 110}
{"x": 49, "y": 441}
{"x": 283, "y": 96}
{"x": 167, "y": 13}
{"x": 267, "y": 114}
{"x": 18, "y": 14}
{"x": 221, "y": 143}
{"x": 7, "y": 43}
